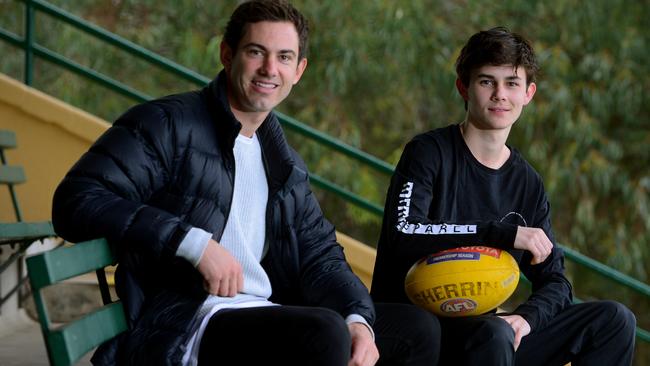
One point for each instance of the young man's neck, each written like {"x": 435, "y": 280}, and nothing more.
{"x": 487, "y": 146}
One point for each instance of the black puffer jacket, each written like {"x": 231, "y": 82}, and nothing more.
{"x": 166, "y": 166}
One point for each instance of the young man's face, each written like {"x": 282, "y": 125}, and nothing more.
{"x": 496, "y": 96}
{"x": 264, "y": 68}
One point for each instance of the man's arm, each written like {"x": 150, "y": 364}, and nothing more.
{"x": 364, "y": 350}
{"x": 105, "y": 193}
{"x": 222, "y": 273}
{"x": 326, "y": 278}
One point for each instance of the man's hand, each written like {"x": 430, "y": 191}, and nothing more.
{"x": 221, "y": 271}
{"x": 535, "y": 241}
{"x": 364, "y": 350}
{"x": 519, "y": 325}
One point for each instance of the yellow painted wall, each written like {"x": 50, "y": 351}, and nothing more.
{"x": 360, "y": 256}
{"x": 52, "y": 135}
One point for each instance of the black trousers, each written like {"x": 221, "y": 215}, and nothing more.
{"x": 591, "y": 333}
{"x": 293, "y": 335}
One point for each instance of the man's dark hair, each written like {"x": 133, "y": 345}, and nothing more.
{"x": 497, "y": 46}
{"x": 266, "y": 10}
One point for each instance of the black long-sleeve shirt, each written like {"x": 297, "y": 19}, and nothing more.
{"x": 441, "y": 197}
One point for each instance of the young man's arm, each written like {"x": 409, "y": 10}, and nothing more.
{"x": 408, "y": 203}
{"x": 551, "y": 289}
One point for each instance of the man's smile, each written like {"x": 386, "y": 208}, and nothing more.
{"x": 264, "y": 85}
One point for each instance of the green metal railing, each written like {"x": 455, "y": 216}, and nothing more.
{"x": 32, "y": 49}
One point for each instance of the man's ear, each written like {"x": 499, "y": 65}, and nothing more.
{"x": 530, "y": 92}
{"x": 225, "y": 55}
{"x": 300, "y": 69}
{"x": 462, "y": 89}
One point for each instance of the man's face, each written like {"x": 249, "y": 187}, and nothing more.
{"x": 496, "y": 96}
{"x": 264, "y": 68}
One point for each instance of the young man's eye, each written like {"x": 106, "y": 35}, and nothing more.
{"x": 254, "y": 52}
{"x": 513, "y": 84}
{"x": 285, "y": 58}
{"x": 486, "y": 82}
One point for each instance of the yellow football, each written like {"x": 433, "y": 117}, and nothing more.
{"x": 462, "y": 281}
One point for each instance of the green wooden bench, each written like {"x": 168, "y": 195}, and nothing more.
{"x": 15, "y": 237}
{"x": 67, "y": 343}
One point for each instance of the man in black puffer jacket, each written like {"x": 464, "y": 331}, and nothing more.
{"x": 224, "y": 254}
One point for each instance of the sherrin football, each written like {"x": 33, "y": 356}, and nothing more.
{"x": 462, "y": 281}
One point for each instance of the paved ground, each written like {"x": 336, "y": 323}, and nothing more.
{"x": 21, "y": 344}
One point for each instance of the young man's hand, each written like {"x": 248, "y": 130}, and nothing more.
{"x": 221, "y": 272}
{"x": 519, "y": 325}
{"x": 364, "y": 350}
{"x": 535, "y": 241}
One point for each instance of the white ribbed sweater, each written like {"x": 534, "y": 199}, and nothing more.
{"x": 243, "y": 237}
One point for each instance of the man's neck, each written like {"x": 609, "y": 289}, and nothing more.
{"x": 487, "y": 146}
{"x": 250, "y": 122}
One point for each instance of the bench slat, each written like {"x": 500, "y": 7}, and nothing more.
{"x": 70, "y": 343}
{"x": 7, "y": 139}
{"x": 66, "y": 262}
{"x": 25, "y": 231}
{"x": 11, "y": 174}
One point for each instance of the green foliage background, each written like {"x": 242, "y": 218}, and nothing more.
{"x": 381, "y": 71}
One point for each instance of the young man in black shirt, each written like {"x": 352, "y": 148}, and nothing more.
{"x": 462, "y": 185}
